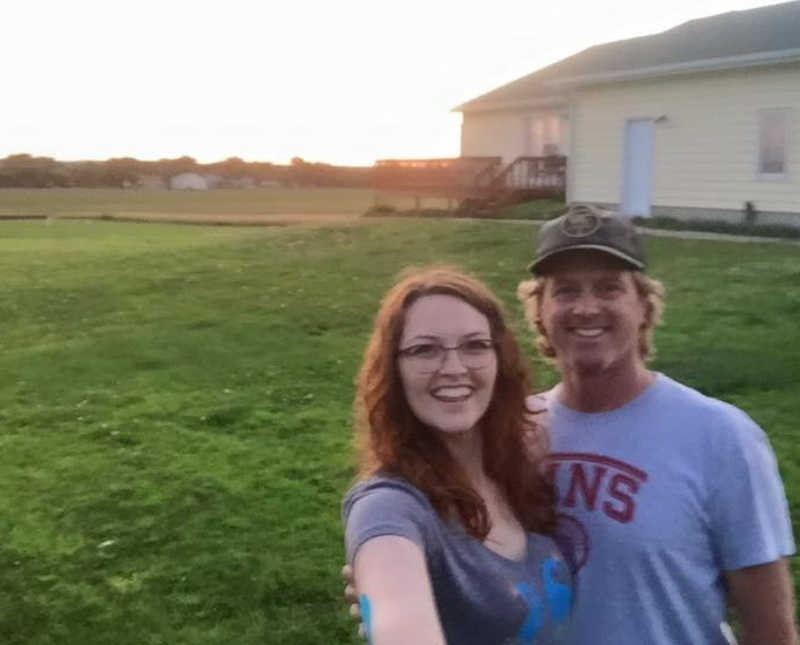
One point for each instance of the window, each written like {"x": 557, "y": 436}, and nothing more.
{"x": 773, "y": 142}
{"x": 544, "y": 135}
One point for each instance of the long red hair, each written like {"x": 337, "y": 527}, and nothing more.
{"x": 391, "y": 440}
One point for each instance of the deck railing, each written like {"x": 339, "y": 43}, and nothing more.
{"x": 452, "y": 177}
{"x": 526, "y": 173}
{"x": 483, "y": 178}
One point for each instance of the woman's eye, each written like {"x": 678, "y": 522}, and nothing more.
{"x": 423, "y": 350}
{"x": 478, "y": 345}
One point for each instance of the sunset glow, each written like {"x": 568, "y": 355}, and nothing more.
{"x": 345, "y": 82}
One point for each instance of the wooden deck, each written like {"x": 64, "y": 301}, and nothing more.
{"x": 482, "y": 179}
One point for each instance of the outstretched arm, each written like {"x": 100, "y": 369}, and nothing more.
{"x": 395, "y": 593}
{"x": 764, "y": 601}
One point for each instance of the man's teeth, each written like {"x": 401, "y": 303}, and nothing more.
{"x": 452, "y": 393}
{"x": 589, "y": 333}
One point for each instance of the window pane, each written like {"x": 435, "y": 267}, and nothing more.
{"x": 772, "y": 146}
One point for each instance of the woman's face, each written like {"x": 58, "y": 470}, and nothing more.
{"x": 448, "y": 389}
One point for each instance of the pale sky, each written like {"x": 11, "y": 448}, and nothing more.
{"x": 337, "y": 81}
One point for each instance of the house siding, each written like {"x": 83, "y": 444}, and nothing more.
{"x": 705, "y": 152}
{"x": 510, "y": 134}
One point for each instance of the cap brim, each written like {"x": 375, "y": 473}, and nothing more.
{"x": 637, "y": 264}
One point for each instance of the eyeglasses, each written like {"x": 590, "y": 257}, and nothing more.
{"x": 426, "y": 358}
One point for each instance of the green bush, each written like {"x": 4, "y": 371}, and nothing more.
{"x": 719, "y": 226}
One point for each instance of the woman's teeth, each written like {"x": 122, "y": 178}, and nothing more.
{"x": 454, "y": 393}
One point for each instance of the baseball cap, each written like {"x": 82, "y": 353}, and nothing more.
{"x": 585, "y": 226}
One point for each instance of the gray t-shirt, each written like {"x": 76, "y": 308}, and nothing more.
{"x": 661, "y": 497}
{"x": 482, "y": 597}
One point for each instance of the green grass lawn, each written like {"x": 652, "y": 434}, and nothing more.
{"x": 175, "y": 405}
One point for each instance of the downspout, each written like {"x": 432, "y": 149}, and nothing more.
{"x": 571, "y": 112}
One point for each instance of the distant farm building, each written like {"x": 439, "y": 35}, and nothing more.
{"x": 188, "y": 181}
{"x": 150, "y": 182}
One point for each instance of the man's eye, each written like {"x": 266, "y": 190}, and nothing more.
{"x": 425, "y": 350}
{"x": 477, "y": 345}
{"x": 565, "y": 290}
{"x": 610, "y": 287}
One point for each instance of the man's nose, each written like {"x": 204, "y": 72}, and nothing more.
{"x": 586, "y": 304}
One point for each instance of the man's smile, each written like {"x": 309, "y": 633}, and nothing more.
{"x": 588, "y": 332}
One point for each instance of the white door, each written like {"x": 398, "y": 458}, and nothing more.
{"x": 636, "y": 164}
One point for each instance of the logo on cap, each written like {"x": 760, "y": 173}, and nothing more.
{"x": 580, "y": 221}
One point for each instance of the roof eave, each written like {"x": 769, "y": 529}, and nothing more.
{"x": 556, "y": 99}
{"x": 706, "y": 65}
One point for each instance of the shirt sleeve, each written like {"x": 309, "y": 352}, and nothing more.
{"x": 749, "y": 513}
{"x": 384, "y": 508}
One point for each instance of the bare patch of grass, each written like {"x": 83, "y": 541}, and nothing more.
{"x": 57, "y": 202}
{"x": 222, "y": 219}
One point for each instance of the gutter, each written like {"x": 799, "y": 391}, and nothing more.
{"x": 561, "y": 85}
{"x": 705, "y": 65}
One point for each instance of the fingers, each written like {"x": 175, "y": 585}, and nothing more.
{"x": 536, "y": 444}
{"x": 351, "y": 597}
{"x": 350, "y": 594}
{"x": 536, "y": 403}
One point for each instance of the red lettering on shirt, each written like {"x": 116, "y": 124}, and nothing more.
{"x": 616, "y": 489}
{"x": 590, "y": 478}
{"x": 577, "y": 481}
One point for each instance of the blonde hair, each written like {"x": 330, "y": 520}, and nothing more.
{"x": 650, "y": 290}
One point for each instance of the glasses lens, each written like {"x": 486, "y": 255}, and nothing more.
{"x": 429, "y": 357}
{"x": 476, "y": 353}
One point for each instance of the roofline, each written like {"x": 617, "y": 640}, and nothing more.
{"x": 708, "y": 64}
{"x": 565, "y": 84}
{"x": 550, "y": 100}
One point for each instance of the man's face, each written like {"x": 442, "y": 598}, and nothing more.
{"x": 591, "y": 313}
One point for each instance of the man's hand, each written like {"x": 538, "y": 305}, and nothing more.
{"x": 351, "y": 597}
{"x": 537, "y": 442}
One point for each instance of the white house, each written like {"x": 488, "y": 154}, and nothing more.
{"x": 188, "y": 181}
{"x": 693, "y": 122}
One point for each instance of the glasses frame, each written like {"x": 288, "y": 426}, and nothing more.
{"x": 416, "y": 361}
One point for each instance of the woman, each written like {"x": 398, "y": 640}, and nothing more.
{"x": 447, "y": 530}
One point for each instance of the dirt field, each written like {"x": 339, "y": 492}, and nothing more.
{"x": 287, "y": 219}
{"x": 274, "y": 206}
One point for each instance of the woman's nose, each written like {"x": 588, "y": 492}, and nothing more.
{"x": 451, "y": 362}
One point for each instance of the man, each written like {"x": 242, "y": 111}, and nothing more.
{"x": 671, "y": 502}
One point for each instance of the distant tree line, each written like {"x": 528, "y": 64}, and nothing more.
{"x": 27, "y": 171}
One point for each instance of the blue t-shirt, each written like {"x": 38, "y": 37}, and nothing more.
{"x": 659, "y": 498}
{"x": 482, "y": 597}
